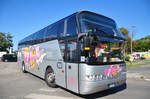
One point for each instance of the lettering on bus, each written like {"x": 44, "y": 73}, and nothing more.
{"x": 112, "y": 71}
{"x": 33, "y": 55}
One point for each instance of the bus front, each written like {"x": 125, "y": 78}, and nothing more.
{"x": 101, "y": 53}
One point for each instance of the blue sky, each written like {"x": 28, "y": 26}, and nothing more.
{"x": 24, "y": 17}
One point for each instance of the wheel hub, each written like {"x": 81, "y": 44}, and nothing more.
{"x": 51, "y": 77}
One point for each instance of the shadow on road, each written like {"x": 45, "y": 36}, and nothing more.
{"x": 95, "y": 95}
{"x": 102, "y": 93}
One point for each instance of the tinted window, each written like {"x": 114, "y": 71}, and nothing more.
{"x": 72, "y": 51}
{"x": 71, "y": 26}
{"x": 29, "y": 38}
{"x": 60, "y": 29}
{"x": 62, "y": 48}
{"x": 96, "y": 24}
{"x": 51, "y": 31}
{"x": 40, "y": 34}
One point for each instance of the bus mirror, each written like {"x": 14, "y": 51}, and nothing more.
{"x": 87, "y": 43}
{"x": 81, "y": 35}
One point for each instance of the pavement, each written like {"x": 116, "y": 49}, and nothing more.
{"x": 17, "y": 85}
{"x": 139, "y": 72}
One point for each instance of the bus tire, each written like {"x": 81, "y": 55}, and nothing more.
{"x": 23, "y": 68}
{"x": 50, "y": 78}
{"x": 6, "y": 60}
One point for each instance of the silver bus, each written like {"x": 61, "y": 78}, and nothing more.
{"x": 82, "y": 52}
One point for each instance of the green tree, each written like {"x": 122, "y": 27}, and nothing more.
{"x": 5, "y": 41}
{"x": 142, "y": 44}
{"x": 127, "y": 43}
{"x": 124, "y": 31}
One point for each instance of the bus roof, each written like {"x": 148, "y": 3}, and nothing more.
{"x": 85, "y": 11}
{"x": 74, "y": 14}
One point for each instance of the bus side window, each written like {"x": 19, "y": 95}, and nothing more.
{"x": 51, "y": 31}
{"x": 29, "y": 40}
{"x": 60, "y": 29}
{"x": 71, "y": 26}
{"x": 40, "y": 35}
{"x": 62, "y": 48}
{"x": 72, "y": 51}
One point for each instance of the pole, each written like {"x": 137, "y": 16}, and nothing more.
{"x": 131, "y": 40}
{"x": 132, "y": 26}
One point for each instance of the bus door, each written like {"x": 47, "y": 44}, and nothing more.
{"x": 72, "y": 65}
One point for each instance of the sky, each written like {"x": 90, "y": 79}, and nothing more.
{"x": 21, "y": 18}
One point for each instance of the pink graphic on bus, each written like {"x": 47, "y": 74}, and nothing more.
{"x": 71, "y": 81}
{"x": 32, "y": 54}
{"x": 113, "y": 70}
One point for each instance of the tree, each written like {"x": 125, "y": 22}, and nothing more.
{"x": 5, "y": 41}
{"x": 127, "y": 43}
{"x": 142, "y": 44}
{"x": 124, "y": 31}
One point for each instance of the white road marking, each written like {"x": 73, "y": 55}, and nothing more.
{"x": 147, "y": 79}
{"x": 133, "y": 75}
{"x": 42, "y": 96}
{"x": 47, "y": 90}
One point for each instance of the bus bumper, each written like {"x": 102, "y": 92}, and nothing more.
{"x": 89, "y": 87}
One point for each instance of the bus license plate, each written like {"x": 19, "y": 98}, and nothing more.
{"x": 111, "y": 85}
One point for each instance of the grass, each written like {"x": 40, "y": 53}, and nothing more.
{"x": 142, "y": 77}
{"x": 138, "y": 63}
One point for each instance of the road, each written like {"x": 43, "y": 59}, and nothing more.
{"x": 141, "y": 71}
{"x": 17, "y": 85}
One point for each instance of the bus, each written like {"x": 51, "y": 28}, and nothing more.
{"x": 82, "y": 52}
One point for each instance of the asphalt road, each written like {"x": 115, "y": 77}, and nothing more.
{"x": 16, "y": 85}
{"x": 141, "y": 71}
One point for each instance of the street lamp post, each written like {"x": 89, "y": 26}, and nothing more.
{"x": 132, "y": 26}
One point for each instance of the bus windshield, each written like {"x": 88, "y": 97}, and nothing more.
{"x": 98, "y": 24}
{"x": 102, "y": 52}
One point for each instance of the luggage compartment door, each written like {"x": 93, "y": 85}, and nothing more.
{"x": 72, "y": 76}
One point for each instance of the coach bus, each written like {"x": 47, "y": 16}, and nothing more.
{"x": 82, "y": 52}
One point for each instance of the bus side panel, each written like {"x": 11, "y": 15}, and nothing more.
{"x": 38, "y": 57}
{"x": 55, "y": 60}
{"x": 20, "y": 58}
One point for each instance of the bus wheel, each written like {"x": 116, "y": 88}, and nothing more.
{"x": 23, "y": 68}
{"x": 50, "y": 78}
{"x": 6, "y": 60}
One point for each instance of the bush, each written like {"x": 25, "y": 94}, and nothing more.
{"x": 127, "y": 58}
